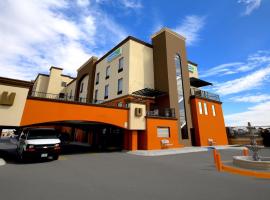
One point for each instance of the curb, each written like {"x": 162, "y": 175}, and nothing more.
{"x": 2, "y": 162}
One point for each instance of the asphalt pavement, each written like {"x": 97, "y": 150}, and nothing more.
{"x": 118, "y": 175}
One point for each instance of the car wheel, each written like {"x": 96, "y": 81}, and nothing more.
{"x": 55, "y": 157}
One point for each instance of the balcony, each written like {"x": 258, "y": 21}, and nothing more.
{"x": 203, "y": 94}
{"x": 162, "y": 112}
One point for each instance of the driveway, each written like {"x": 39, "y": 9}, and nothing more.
{"x": 119, "y": 175}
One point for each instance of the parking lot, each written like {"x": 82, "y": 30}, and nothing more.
{"x": 119, "y": 175}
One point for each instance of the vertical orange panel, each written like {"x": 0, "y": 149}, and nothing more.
{"x": 134, "y": 140}
{"x": 208, "y": 126}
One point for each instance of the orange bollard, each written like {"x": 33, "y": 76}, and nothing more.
{"x": 245, "y": 152}
{"x": 218, "y": 162}
{"x": 215, "y": 155}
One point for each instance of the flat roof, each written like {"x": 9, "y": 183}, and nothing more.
{"x": 195, "y": 82}
{"x": 123, "y": 42}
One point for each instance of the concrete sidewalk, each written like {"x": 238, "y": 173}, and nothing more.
{"x": 181, "y": 150}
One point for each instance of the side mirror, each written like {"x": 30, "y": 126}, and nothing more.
{"x": 23, "y": 137}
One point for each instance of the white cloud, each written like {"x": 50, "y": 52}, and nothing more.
{"x": 190, "y": 28}
{"x": 251, "y": 98}
{"x": 258, "y": 59}
{"x": 251, "y": 5}
{"x": 83, "y": 3}
{"x": 258, "y": 115}
{"x": 37, "y": 34}
{"x": 134, "y": 4}
{"x": 244, "y": 83}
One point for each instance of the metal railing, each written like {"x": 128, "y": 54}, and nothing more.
{"x": 161, "y": 112}
{"x": 60, "y": 97}
{"x": 204, "y": 94}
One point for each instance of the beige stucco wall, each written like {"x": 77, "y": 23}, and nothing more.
{"x": 83, "y": 94}
{"x": 51, "y": 84}
{"x": 11, "y": 115}
{"x": 141, "y": 67}
{"x": 137, "y": 123}
{"x": 137, "y": 74}
{"x": 114, "y": 75}
{"x": 41, "y": 84}
{"x": 70, "y": 91}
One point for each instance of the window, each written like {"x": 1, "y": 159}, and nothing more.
{"x": 81, "y": 88}
{"x": 120, "y": 104}
{"x": 205, "y": 109}
{"x": 121, "y": 64}
{"x": 213, "y": 110}
{"x": 96, "y": 95}
{"x": 163, "y": 132}
{"x": 120, "y": 86}
{"x": 97, "y": 78}
{"x": 200, "y": 107}
{"x": 70, "y": 94}
{"x": 181, "y": 98}
{"x": 63, "y": 84}
{"x": 107, "y": 72}
{"x": 106, "y": 94}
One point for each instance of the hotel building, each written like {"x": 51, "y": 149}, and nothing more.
{"x": 153, "y": 87}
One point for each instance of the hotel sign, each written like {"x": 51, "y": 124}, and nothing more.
{"x": 7, "y": 100}
{"x": 114, "y": 54}
{"x": 192, "y": 68}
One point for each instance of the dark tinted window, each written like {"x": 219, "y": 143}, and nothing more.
{"x": 41, "y": 134}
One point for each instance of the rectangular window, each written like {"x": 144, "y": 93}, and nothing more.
{"x": 63, "y": 84}
{"x": 213, "y": 110}
{"x": 96, "y": 95}
{"x": 81, "y": 88}
{"x": 205, "y": 109}
{"x": 163, "y": 132}
{"x": 106, "y": 94}
{"x": 97, "y": 78}
{"x": 200, "y": 107}
{"x": 120, "y": 86}
{"x": 107, "y": 72}
{"x": 70, "y": 94}
{"x": 121, "y": 64}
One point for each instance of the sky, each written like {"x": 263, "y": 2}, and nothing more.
{"x": 229, "y": 39}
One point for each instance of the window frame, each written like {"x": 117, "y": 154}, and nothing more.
{"x": 107, "y": 72}
{"x": 120, "y": 67}
{"x": 106, "y": 90}
{"x": 120, "y": 91}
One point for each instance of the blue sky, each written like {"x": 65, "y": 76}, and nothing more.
{"x": 229, "y": 39}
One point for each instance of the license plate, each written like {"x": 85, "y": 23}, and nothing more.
{"x": 44, "y": 155}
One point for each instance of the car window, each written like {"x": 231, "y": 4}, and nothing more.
{"x": 41, "y": 134}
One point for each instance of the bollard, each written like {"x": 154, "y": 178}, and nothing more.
{"x": 245, "y": 152}
{"x": 215, "y": 155}
{"x": 218, "y": 162}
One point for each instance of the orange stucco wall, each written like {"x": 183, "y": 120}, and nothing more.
{"x": 208, "y": 126}
{"x": 40, "y": 111}
{"x": 149, "y": 140}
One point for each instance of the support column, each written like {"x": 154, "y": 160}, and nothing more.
{"x": 134, "y": 140}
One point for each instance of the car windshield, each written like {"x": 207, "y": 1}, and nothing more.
{"x": 41, "y": 134}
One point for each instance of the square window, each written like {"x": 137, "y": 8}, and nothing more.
{"x": 163, "y": 132}
{"x": 63, "y": 84}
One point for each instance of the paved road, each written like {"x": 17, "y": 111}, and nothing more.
{"x": 123, "y": 176}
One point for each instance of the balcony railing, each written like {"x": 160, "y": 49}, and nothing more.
{"x": 162, "y": 112}
{"x": 60, "y": 97}
{"x": 203, "y": 94}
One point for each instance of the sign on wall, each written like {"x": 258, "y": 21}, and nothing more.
{"x": 114, "y": 54}
{"x": 6, "y": 99}
{"x": 192, "y": 68}
{"x": 163, "y": 132}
